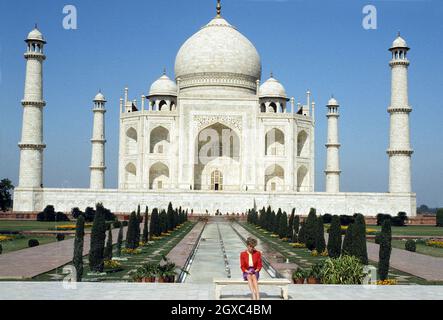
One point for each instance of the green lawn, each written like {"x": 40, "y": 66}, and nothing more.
{"x": 153, "y": 252}
{"x": 22, "y": 243}
{"x": 30, "y": 225}
{"x": 421, "y": 248}
{"x": 427, "y": 231}
{"x": 304, "y": 259}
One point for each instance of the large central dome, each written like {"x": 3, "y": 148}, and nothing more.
{"x": 218, "y": 55}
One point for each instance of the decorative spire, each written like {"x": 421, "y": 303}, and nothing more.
{"x": 36, "y": 26}
{"x": 399, "y": 34}
{"x": 272, "y": 74}
{"x": 164, "y": 71}
{"x": 219, "y": 7}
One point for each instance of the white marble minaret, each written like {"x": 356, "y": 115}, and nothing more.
{"x": 98, "y": 144}
{"x": 399, "y": 148}
{"x": 333, "y": 146}
{"x": 31, "y": 144}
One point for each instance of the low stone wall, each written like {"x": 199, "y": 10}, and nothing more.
{"x": 369, "y": 204}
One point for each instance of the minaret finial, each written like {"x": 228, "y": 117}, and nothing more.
{"x": 272, "y": 74}
{"x": 164, "y": 71}
{"x": 36, "y": 26}
{"x": 398, "y": 33}
{"x": 219, "y": 7}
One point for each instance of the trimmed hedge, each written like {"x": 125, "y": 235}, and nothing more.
{"x": 33, "y": 243}
{"x": 410, "y": 245}
{"x": 440, "y": 217}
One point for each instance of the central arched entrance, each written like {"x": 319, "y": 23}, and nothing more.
{"x": 216, "y": 181}
{"x": 217, "y": 159}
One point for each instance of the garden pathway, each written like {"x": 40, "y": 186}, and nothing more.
{"x": 420, "y": 265}
{"x": 30, "y": 262}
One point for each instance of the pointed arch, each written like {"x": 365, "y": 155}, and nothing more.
{"x": 131, "y": 141}
{"x": 274, "y": 178}
{"x": 131, "y": 175}
{"x": 158, "y": 176}
{"x": 302, "y": 179}
{"x": 159, "y": 140}
{"x": 302, "y": 144}
{"x": 275, "y": 143}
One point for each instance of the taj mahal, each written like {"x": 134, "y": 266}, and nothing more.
{"x": 216, "y": 137}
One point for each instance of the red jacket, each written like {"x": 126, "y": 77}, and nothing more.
{"x": 256, "y": 259}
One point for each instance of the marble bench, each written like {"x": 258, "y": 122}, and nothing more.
{"x": 283, "y": 284}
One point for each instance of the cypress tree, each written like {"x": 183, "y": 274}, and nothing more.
{"x": 108, "y": 248}
{"x": 347, "y": 242}
{"x": 296, "y": 229}
{"x": 385, "y": 250}
{"x": 120, "y": 241}
{"x": 170, "y": 218}
{"x": 283, "y": 225}
{"x": 154, "y": 226}
{"x": 137, "y": 227}
{"x": 320, "y": 243}
{"x": 301, "y": 237}
{"x": 268, "y": 219}
{"x": 145, "y": 227}
{"x": 77, "y": 260}
{"x": 359, "y": 248}
{"x": 290, "y": 232}
{"x": 131, "y": 237}
{"x": 98, "y": 235}
{"x": 278, "y": 221}
{"x": 163, "y": 222}
{"x": 311, "y": 230}
{"x": 335, "y": 239}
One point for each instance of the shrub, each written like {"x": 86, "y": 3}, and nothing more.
{"x": 302, "y": 233}
{"x": 346, "y": 220}
{"x": 410, "y": 245}
{"x": 98, "y": 236}
{"x": 77, "y": 260}
{"x": 335, "y": 238}
{"x": 76, "y": 212}
{"x": 119, "y": 241}
{"x": 1, "y": 248}
{"x": 125, "y": 223}
{"x": 343, "y": 270}
{"x": 439, "y": 217}
{"x": 33, "y": 243}
{"x": 60, "y": 237}
{"x": 145, "y": 237}
{"x": 60, "y": 216}
{"x": 358, "y": 247}
{"x": 377, "y": 238}
{"x": 382, "y": 217}
{"x": 131, "y": 237}
{"x": 320, "y": 244}
{"x": 327, "y": 218}
{"x": 385, "y": 250}
{"x": 296, "y": 229}
{"x": 48, "y": 214}
{"x": 311, "y": 230}
{"x": 117, "y": 224}
{"x": 347, "y": 241}
{"x": 107, "y": 255}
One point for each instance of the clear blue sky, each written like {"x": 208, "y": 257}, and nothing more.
{"x": 319, "y": 45}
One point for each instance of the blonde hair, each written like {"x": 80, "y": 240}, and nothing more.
{"x": 251, "y": 242}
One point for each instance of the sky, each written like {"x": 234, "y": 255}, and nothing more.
{"x": 307, "y": 44}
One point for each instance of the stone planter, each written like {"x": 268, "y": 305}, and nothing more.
{"x": 299, "y": 281}
{"x": 312, "y": 280}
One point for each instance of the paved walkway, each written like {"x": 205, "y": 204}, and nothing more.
{"x": 30, "y": 262}
{"x": 423, "y": 266}
{"x": 157, "y": 291}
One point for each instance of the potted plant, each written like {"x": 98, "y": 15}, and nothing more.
{"x": 299, "y": 276}
{"x": 146, "y": 273}
{"x": 167, "y": 271}
{"x": 314, "y": 275}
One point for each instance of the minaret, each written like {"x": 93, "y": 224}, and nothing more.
{"x": 399, "y": 148}
{"x": 31, "y": 144}
{"x": 98, "y": 144}
{"x": 333, "y": 146}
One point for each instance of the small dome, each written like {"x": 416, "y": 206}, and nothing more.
{"x": 272, "y": 88}
{"x": 399, "y": 42}
{"x": 35, "y": 35}
{"x": 333, "y": 102}
{"x": 100, "y": 97}
{"x": 163, "y": 87}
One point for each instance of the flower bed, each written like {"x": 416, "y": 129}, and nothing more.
{"x": 6, "y": 238}
{"x": 298, "y": 245}
{"x": 131, "y": 251}
{"x": 387, "y": 282}
{"x": 434, "y": 243}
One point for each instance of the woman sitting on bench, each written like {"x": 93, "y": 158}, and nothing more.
{"x": 251, "y": 265}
